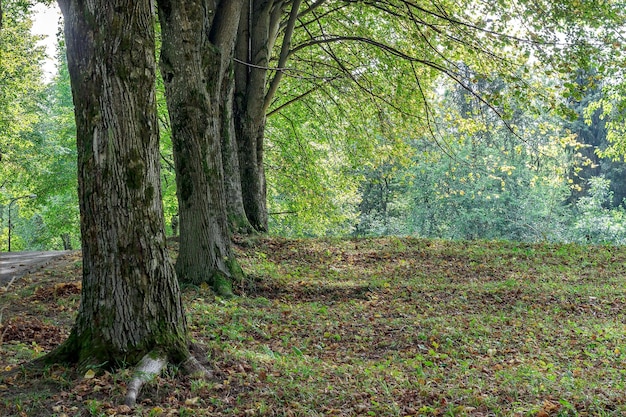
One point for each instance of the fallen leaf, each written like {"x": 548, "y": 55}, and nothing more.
{"x": 192, "y": 401}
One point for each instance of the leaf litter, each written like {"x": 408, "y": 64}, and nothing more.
{"x": 344, "y": 327}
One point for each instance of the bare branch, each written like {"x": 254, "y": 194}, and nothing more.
{"x": 284, "y": 54}
{"x": 300, "y": 96}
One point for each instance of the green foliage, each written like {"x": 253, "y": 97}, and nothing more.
{"x": 309, "y": 193}
{"x": 56, "y": 179}
{"x": 168, "y": 174}
{"x": 21, "y": 93}
{"x": 597, "y": 221}
{"x": 368, "y": 81}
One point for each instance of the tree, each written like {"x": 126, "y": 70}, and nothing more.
{"x": 131, "y": 309}
{"x": 259, "y": 29}
{"x": 196, "y": 57}
{"x": 21, "y": 92}
{"x": 340, "y": 41}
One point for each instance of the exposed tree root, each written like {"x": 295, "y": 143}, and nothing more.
{"x": 195, "y": 369}
{"x": 151, "y": 365}
{"x": 148, "y": 368}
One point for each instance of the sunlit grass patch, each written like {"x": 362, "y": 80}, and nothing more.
{"x": 383, "y": 327}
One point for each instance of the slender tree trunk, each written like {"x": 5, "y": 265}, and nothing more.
{"x": 250, "y": 140}
{"x": 258, "y": 32}
{"x": 237, "y": 219}
{"x": 131, "y": 303}
{"x": 198, "y": 40}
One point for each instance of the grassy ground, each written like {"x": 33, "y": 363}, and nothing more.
{"x": 384, "y": 327}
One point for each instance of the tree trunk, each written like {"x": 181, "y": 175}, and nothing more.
{"x": 130, "y": 303}
{"x": 257, "y": 33}
{"x": 198, "y": 40}
{"x": 237, "y": 219}
{"x": 250, "y": 130}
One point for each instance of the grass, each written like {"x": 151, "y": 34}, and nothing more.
{"x": 380, "y": 327}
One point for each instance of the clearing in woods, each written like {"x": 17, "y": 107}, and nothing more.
{"x": 379, "y": 327}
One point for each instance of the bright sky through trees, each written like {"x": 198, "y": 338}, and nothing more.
{"x": 45, "y": 23}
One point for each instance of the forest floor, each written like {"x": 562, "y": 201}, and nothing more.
{"x": 380, "y": 327}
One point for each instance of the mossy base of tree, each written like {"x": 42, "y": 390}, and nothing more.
{"x": 147, "y": 368}
{"x": 223, "y": 285}
{"x": 220, "y": 282}
{"x": 240, "y": 225}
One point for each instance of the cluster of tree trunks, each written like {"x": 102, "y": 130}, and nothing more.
{"x": 215, "y": 62}
{"x": 196, "y": 57}
{"x": 131, "y": 308}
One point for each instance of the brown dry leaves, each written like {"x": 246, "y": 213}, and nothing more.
{"x": 385, "y": 327}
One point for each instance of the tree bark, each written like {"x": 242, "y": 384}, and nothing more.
{"x": 130, "y": 303}
{"x": 257, "y": 33}
{"x": 236, "y": 213}
{"x": 198, "y": 40}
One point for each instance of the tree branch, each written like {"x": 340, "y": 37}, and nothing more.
{"x": 301, "y": 96}
{"x": 284, "y": 54}
{"x": 387, "y": 48}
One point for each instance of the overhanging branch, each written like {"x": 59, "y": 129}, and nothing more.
{"x": 284, "y": 54}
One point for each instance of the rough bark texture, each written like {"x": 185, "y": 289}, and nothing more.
{"x": 198, "y": 39}
{"x": 130, "y": 303}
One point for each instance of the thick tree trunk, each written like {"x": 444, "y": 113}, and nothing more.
{"x": 198, "y": 39}
{"x": 131, "y": 302}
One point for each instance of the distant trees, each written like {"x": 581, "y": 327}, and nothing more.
{"x": 21, "y": 92}
{"x": 55, "y": 179}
